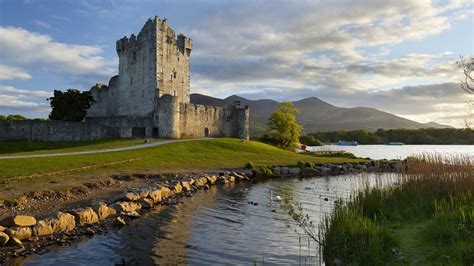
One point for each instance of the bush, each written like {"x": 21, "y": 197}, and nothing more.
{"x": 311, "y": 140}
{"x": 249, "y": 165}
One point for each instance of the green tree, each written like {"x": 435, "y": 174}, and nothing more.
{"x": 15, "y": 118}
{"x": 282, "y": 126}
{"x": 71, "y": 105}
{"x": 3, "y": 118}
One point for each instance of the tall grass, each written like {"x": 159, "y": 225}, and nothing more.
{"x": 431, "y": 204}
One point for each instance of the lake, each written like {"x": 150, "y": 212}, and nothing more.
{"x": 398, "y": 152}
{"x": 219, "y": 226}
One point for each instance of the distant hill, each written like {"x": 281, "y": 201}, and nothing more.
{"x": 317, "y": 115}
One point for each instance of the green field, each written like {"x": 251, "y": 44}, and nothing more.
{"x": 174, "y": 157}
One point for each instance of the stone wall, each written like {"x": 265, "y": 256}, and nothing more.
{"x": 183, "y": 120}
{"x": 54, "y": 131}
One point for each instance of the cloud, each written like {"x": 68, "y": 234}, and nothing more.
{"x": 8, "y": 73}
{"x": 20, "y": 100}
{"x": 22, "y": 48}
{"x": 42, "y": 24}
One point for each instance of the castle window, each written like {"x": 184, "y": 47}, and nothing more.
{"x": 174, "y": 74}
{"x": 131, "y": 80}
{"x": 134, "y": 56}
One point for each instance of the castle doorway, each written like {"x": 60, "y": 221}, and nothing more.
{"x": 206, "y": 132}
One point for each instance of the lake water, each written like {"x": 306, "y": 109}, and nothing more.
{"x": 398, "y": 152}
{"x": 219, "y": 226}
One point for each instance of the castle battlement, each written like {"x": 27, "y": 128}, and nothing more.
{"x": 153, "y": 28}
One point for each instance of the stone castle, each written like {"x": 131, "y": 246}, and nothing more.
{"x": 150, "y": 97}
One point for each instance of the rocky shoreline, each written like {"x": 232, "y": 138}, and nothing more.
{"x": 24, "y": 232}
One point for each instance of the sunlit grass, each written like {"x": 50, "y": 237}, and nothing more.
{"x": 193, "y": 155}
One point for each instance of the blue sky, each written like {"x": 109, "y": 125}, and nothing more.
{"x": 396, "y": 56}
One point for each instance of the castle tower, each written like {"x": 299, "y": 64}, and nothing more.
{"x": 152, "y": 64}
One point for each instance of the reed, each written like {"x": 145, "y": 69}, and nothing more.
{"x": 427, "y": 216}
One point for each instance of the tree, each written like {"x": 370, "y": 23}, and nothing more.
{"x": 71, "y": 105}
{"x": 282, "y": 126}
{"x": 467, "y": 82}
{"x": 16, "y": 118}
{"x": 467, "y": 66}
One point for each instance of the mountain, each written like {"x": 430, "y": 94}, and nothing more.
{"x": 317, "y": 115}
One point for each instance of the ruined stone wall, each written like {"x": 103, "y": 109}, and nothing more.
{"x": 236, "y": 122}
{"x": 199, "y": 121}
{"x": 54, "y": 131}
{"x": 183, "y": 120}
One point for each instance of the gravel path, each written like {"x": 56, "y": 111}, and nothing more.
{"x": 136, "y": 147}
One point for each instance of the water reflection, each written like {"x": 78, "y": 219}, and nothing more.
{"x": 219, "y": 225}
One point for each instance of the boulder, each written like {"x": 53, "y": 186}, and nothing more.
{"x": 20, "y": 220}
{"x": 222, "y": 180}
{"x": 248, "y": 172}
{"x": 231, "y": 178}
{"x": 165, "y": 193}
{"x": 20, "y": 233}
{"x": 15, "y": 242}
{"x": 103, "y": 211}
{"x": 43, "y": 228}
{"x": 126, "y": 206}
{"x": 3, "y": 239}
{"x": 119, "y": 221}
{"x": 144, "y": 193}
{"x": 186, "y": 186}
{"x": 85, "y": 216}
{"x": 239, "y": 176}
{"x": 284, "y": 170}
{"x": 177, "y": 188}
{"x": 211, "y": 179}
{"x": 63, "y": 222}
{"x": 277, "y": 171}
{"x": 130, "y": 196}
{"x": 294, "y": 170}
{"x": 133, "y": 214}
{"x": 202, "y": 181}
{"x": 156, "y": 195}
{"x": 146, "y": 203}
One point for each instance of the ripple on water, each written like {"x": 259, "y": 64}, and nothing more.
{"x": 217, "y": 225}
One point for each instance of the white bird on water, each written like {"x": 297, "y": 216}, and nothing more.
{"x": 276, "y": 198}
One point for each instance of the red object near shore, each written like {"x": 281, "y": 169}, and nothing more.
{"x": 303, "y": 147}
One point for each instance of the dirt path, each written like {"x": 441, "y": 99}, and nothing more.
{"x": 136, "y": 147}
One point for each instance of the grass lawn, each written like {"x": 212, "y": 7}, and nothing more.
{"x": 181, "y": 156}
{"x": 48, "y": 147}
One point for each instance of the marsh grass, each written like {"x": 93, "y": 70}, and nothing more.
{"x": 426, "y": 217}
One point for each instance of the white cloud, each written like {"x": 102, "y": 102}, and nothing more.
{"x": 42, "y": 24}
{"x": 15, "y": 100}
{"x": 8, "y": 73}
{"x": 22, "y": 48}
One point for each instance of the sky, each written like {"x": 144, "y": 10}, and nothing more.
{"x": 397, "y": 56}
